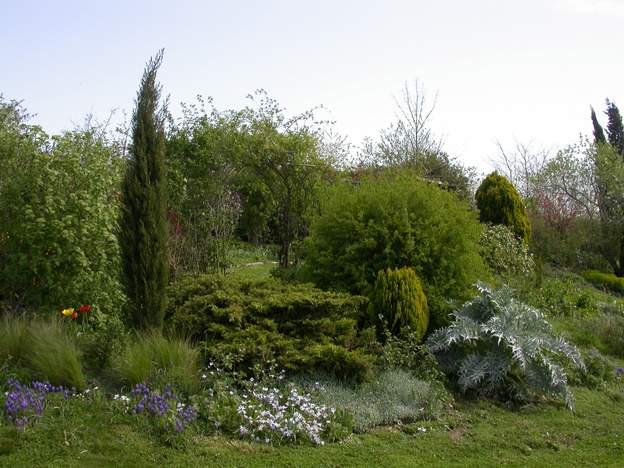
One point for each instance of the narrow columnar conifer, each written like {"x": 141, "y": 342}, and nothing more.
{"x": 143, "y": 224}
{"x": 399, "y": 298}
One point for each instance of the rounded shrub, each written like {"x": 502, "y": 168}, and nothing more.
{"x": 499, "y": 203}
{"x": 504, "y": 253}
{"x": 395, "y": 222}
{"x": 399, "y": 299}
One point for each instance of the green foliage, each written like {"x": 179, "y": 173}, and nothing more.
{"x": 499, "y": 203}
{"x": 392, "y": 223}
{"x": 407, "y": 353}
{"x": 498, "y": 346}
{"x": 504, "y": 253}
{"x": 399, "y": 299}
{"x": 599, "y": 371}
{"x": 604, "y": 332}
{"x": 143, "y": 236}
{"x": 394, "y": 397}
{"x": 58, "y": 218}
{"x": 562, "y": 297}
{"x": 102, "y": 338}
{"x": 44, "y": 349}
{"x": 159, "y": 360}
{"x": 605, "y": 280}
{"x": 260, "y": 323}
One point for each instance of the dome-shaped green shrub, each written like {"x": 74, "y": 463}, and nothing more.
{"x": 399, "y": 298}
{"x": 499, "y": 203}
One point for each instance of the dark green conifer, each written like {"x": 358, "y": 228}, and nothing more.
{"x": 500, "y": 203}
{"x": 599, "y": 136}
{"x": 143, "y": 235}
{"x": 615, "y": 130}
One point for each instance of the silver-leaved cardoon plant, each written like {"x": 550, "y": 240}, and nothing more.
{"x": 499, "y": 346}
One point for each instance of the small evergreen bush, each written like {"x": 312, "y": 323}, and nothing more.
{"x": 261, "y": 323}
{"x": 497, "y": 346}
{"x": 399, "y": 299}
{"x": 499, "y": 203}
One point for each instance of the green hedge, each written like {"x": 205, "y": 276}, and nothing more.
{"x": 259, "y": 323}
{"x": 605, "y": 280}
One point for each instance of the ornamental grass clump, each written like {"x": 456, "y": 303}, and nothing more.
{"x": 156, "y": 358}
{"x": 44, "y": 349}
{"x": 497, "y": 346}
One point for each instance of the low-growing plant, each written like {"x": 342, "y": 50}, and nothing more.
{"x": 157, "y": 359}
{"x": 394, "y": 397}
{"x": 102, "y": 339}
{"x": 497, "y": 346}
{"x": 398, "y": 298}
{"x": 24, "y": 404}
{"x": 266, "y": 410}
{"x": 598, "y": 372}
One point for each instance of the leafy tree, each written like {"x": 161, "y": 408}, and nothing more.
{"x": 499, "y": 203}
{"x": 410, "y": 144}
{"x": 58, "y": 216}
{"x": 143, "y": 235}
{"x": 204, "y": 150}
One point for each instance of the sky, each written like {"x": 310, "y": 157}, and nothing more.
{"x": 502, "y": 70}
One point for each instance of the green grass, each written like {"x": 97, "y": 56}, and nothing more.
{"x": 253, "y": 272}
{"x": 153, "y": 357}
{"x": 44, "y": 349}
{"x": 82, "y": 433}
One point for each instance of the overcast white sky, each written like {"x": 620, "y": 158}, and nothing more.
{"x": 503, "y": 70}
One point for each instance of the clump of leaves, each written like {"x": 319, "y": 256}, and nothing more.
{"x": 504, "y": 253}
{"x": 497, "y": 346}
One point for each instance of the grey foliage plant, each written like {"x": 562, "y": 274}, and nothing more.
{"x": 497, "y": 346}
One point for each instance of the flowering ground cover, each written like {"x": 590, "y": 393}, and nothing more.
{"x": 90, "y": 432}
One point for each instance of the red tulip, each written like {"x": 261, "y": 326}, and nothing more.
{"x": 85, "y": 308}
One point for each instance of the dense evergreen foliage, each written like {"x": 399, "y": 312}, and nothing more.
{"x": 254, "y": 325}
{"x": 499, "y": 203}
{"x": 394, "y": 222}
{"x": 143, "y": 233}
{"x": 399, "y": 299}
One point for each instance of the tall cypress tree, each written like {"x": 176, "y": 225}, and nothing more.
{"x": 143, "y": 233}
{"x": 615, "y": 130}
{"x": 599, "y": 136}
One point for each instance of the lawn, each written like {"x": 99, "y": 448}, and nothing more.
{"x": 90, "y": 433}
